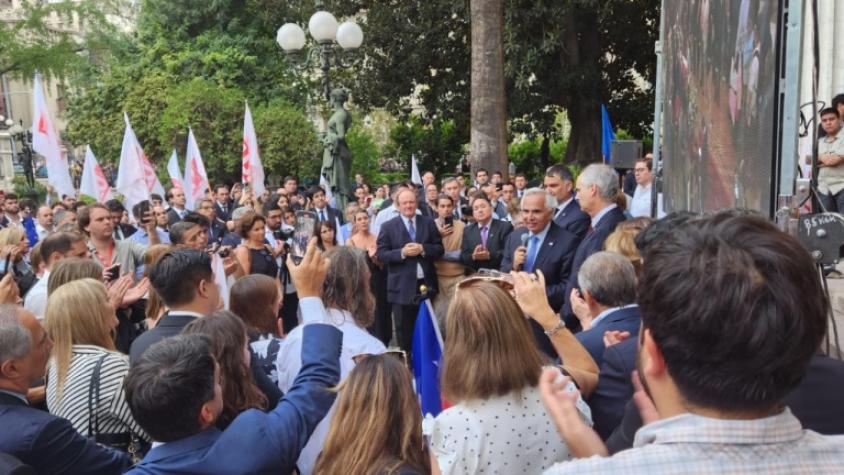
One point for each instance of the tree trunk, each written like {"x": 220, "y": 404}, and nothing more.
{"x": 488, "y": 100}
{"x": 583, "y": 51}
{"x": 545, "y": 152}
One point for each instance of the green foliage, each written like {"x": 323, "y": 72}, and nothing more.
{"x": 216, "y": 116}
{"x": 194, "y": 63}
{"x": 526, "y": 155}
{"x": 21, "y": 188}
{"x": 288, "y": 141}
{"x": 559, "y": 55}
{"x": 437, "y": 145}
{"x": 365, "y": 153}
{"x": 42, "y": 38}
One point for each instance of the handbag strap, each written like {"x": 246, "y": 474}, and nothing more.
{"x": 94, "y": 397}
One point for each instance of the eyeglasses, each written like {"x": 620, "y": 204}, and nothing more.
{"x": 396, "y": 353}
{"x": 502, "y": 279}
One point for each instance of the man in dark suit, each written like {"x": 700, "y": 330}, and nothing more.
{"x": 484, "y": 240}
{"x": 546, "y": 246}
{"x": 176, "y": 212}
{"x": 184, "y": 281}
{"x": 597, "y": 188}
{"x": 121, "y": 230}
{"x": 451, "y": 187}
{"x": 409, "y": 244}
{"x": 320, "y": 206}
{"x": 541, "y": 245}
{"x": 428, "y": 205}
{"x": 47, "y": 443}
{"x": 175, "y": 395}
{"x": 608, "y": 284}
{"x": 223, "y": 205}
{"x": 568, "y": 215}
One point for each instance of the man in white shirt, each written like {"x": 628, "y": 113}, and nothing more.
{"x": 43, "y": 222}
{"x": 54, "y": 248}
{"x": 640, "y": 205}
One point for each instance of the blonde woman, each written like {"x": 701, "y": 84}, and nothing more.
{"x": 378, "y": 400}
{"x": 14, "y": 241}
{"x": 490, "y": 372}
{"x": 85, "y": 375}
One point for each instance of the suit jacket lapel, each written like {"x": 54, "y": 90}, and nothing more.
{"x": 547, "y": 247}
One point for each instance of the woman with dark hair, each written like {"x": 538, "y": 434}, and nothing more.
{"x": 378, "y": 400}
{"x": 349, "y": 306}
{"x": 254, "y": 254}
{"x": 256, "y": 300}
{"x": 490, "y": 372}
{"x": 230, "y": 347}
{"x": 326, "y": 234}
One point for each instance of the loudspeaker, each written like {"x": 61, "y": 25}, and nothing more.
{"x": 624, "y": 153}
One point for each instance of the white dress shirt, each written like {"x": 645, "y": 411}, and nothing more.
{"x": 36, "y": 298}
{"x": 356, "y": 341}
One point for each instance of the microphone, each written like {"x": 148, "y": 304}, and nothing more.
{"x": 525, "y": 238}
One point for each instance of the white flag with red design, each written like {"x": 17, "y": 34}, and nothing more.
{"x": 45, "y": 141}
{"x": 174, "y": 172}
{"x": 151, "y": 179}
{"x": 131, "y": 176}
{"x": 196, "y": 180}
{"x": 94, "y": 183}
{"x": 253, "y": 171}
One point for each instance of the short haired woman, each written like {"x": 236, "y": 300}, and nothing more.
{"x": 86, "y": 372}
{"x": 491, "y": 368}
{"x": 378, "y": 400}
{"x": 349, "y": 306}
{"x": 254, "y": 254}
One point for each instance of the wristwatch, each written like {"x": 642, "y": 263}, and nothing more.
{"x": 559, "y": 326}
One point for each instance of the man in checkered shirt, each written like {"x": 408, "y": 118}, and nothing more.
{"x": 732, "y": 312}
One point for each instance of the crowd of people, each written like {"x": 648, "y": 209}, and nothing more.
{"x": 581, "y": 335}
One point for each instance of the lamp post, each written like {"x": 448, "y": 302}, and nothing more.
{"x": 334, "y": 46}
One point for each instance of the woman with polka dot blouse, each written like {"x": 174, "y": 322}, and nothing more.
{"x": 491, "y": 369}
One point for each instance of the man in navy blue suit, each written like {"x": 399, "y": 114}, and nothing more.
{"x": 567, "y": 215}
{"x": 45, "y": 442}
{"x": 545, "y": 246}
{"x": 541, "y": 245}
{"x": 174, "y": 393}
{"x": 409, "y": 244}
{"x": 597, "y": 189}
{"x": 608, "y": 284}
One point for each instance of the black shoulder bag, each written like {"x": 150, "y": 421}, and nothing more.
{"x": 123, "y": 441}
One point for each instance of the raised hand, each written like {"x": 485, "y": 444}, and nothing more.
{"x": 562, "y": 407}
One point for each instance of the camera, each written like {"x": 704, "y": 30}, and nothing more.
{"x": 283, "y": 234}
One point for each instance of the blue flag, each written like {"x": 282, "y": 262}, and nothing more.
{"x": 427, "y": 355}
{"x": 607, "y": 134}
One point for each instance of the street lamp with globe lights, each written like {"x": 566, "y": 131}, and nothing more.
{"x": 336, "y": 45}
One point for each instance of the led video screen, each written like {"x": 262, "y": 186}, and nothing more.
{"x": 719, "y": 115}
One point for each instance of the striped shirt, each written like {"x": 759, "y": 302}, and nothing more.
{"x": 689, "y": 443}
{"x": 114, "y": 415}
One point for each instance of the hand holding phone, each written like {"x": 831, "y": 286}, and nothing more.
{"x": 113, "y": 273}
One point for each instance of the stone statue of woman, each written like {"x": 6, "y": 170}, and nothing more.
{"x": 337, "y": 158}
